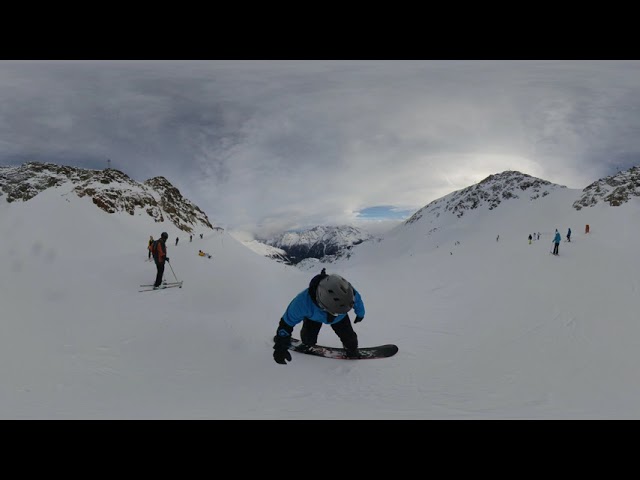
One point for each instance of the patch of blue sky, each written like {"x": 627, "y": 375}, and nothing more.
{"x": 384, "y": 212}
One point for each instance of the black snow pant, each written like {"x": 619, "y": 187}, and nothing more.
{"x": 160, "y": 268}
{"x": 555, "y": 248}
{"x": 344, "y": 330}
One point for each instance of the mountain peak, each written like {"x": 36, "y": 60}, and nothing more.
{"x": 505, "y": 176}
{"x": 110, "y": 190}
{"x": 490, "y": 192}
{"x": 614, "y": 190}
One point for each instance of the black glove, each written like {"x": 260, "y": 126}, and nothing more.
{"x": 282, "y": 341}
{"x": 166, "y": 258}
{"x": 281, "y": 354}
{"x": 358, "y": 319}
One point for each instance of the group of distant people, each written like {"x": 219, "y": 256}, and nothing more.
{"x": 534, "y": 236}
{"x": 178, "y": 239}
{"x": 556, "y": 239}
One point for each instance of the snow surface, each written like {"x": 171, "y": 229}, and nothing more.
{"x": 486, "y": 329}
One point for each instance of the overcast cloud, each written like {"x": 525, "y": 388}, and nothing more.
{"x": 263, "y": 146}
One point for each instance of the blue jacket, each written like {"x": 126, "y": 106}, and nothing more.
{"x": 302, "y": 306}
{"x": 557, "y": 238}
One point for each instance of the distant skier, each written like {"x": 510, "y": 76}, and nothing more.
{"x": 327, "y": 300}
{"x": 538, "y": 235}
{"x": 497, "y": 238}
{"x": 149, "y": 246}
{"x": 530, "y": 237}
{"x": 177, "y": 241}
{"x": 160, "y": 256}
{"x": 569, "y": 235}
{"x": 200, "y": 235}
{"x": 556, "y": 241}
{"x": 190, "y": 238}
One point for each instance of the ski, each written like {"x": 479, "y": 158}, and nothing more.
{"x": 161, "y": 287}
{"x": 163, "y": 283}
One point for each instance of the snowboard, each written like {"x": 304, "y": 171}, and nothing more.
{"x": 381, "y": 351}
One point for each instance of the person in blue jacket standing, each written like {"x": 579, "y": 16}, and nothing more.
{"x": 327, "y": 300}
{"x": 556, "y": 241}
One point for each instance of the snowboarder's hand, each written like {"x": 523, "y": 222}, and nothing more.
{"x": 281, "y": 354}
{"x": 358, "y": 319}
{"x": 166, "y": 258}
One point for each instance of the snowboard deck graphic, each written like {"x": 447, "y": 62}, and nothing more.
{"x": 381, "y": 351}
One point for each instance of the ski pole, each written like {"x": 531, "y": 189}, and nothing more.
{"x": 174, "y": 273}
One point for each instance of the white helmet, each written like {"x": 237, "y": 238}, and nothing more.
{"x": 335, "y": 295}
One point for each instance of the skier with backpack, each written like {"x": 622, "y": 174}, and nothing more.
{"x": 159, "y": 252}
{"x": 327, "y": 300}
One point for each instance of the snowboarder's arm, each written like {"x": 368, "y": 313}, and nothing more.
{"x": 358, "y": 306}
{"x": 283, "y": 334}
{"x": 297, "y": 310}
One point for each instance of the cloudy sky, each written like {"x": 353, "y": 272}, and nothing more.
{"x": 264, "y": 146}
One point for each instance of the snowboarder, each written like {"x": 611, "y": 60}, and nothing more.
{"x": 149, "y": 246}
{"x": 200, "y": 236}
{"x": 497, "y": 238}
{"x": 556, "y": 241}
{"x": 569, "y": 236}
{"x": 530, "y": 237}
{"x": 177, "y": 241}
{"x": 160, "y": 256}
{"x": 190, "y": 238}
{"x": 327, "y": 300}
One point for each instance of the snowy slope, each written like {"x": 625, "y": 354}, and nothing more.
{"x": 486, "y": 329}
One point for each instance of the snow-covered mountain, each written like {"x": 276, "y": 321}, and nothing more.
{"x": 483, "y": 207}
{"x": 324, "y": 243}
{"x": 489, "y": 193}
{"x": 327, "y": 244}
{"x": 614, "y": 190}
{"x": 111, "y": 190}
